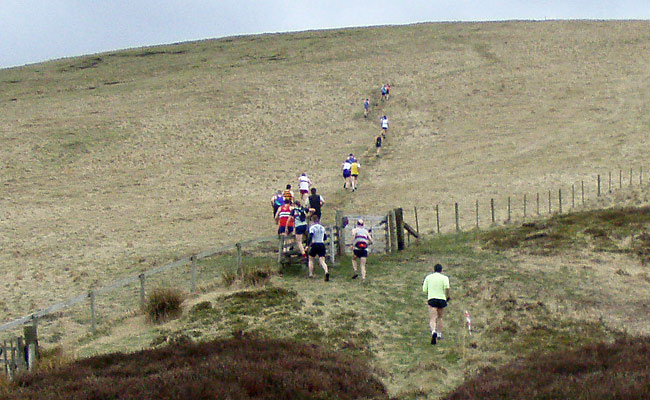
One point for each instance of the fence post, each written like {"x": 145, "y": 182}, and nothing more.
{"x": 525, "y": 203}
{"x": 417, "y": 224}
{"x": 281, "y": 247}
{"x": 142, "y": 299}
{"x": 582, "y": 189}
{"x": 477, "y": 227}
{"x": 538, "y": 204}
{"x": 559, "y": 194}
{"x": 393, "y": 234}
{"x": 620, "y": 179}
{"x": 339, "y": 224}
{"x": 193, "y": 259}
{"x": 492, "y": 210}
{"x": 31, "y": 340}
{"x": 332, "y": 248}
{"x": 549, "y": 202}
{"x": 630, "y": 176}
{"x": 598, "y": 185}
{"x": 509, "y": 211}
{"x": 13, "y": 358}
{"x": 93, "y": 317}
{"x": 399, "y": 228}
{"x": 386, "y": 232}
{"x": 20, "y": 350}
{"x": 609, "y": 187}
{"x": 4, "y": 352}
{"x": 573, "y": 196}
{"x": 438, "y": 219}
{"x": 456, "y": 215}
{"x": 641, "y": 176}
{"x": 240, "y": 270}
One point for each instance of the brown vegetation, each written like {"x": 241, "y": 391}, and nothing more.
{"x": 620, "y": 370}
{"x": 240, "y": 368}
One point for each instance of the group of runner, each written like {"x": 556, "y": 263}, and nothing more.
{"x": 351, "y": 167}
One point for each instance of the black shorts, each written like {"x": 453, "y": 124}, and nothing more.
{"x": 282, "y": 229}
{"x": 437, "y": 303}
{"x": 317, "y": 250}
{"x": 346, "y": 173}
{"x": 361, "y": 253}
{"x": 300, "y": 230}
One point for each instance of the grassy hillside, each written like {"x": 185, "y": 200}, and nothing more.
{"x": 113, "y": 162}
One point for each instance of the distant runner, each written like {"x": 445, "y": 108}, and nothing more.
{"x": 303, "y": 183}
{"x": 387, "y": 86}
{"x": 384, "y": 92}
{"x": 276, "y": 201}
{"x": 366, "y": 107}
{"x": 362, "y": 239}
{"x": 346, "y": 173}
{"x": 436, "y": 286}
{"x": 354, "y": 173}
{"x": 316, "y": 201}
{"x": 378, "y": 140}
{"x": 316, "y": 242}
{"x": 384, "y": 126}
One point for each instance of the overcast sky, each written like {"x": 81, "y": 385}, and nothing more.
{"x": 38, "y": 30}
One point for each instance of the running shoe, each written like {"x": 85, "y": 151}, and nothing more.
{"x": 355, "y": 276}
{"x": 434, "y": 336}
{"x": 327, "y": 277}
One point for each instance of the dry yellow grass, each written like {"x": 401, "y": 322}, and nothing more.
{"x": 109, "y": 168}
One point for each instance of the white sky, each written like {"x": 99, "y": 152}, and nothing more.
{"x": 38, "y": 30}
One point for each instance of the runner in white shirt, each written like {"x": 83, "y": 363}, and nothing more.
{"x": 384, "y": 126}
{"x": 317, "y": 248}
{"x": 303, "y": 184}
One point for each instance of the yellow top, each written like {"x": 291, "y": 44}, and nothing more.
{"x": 354, "y": 169}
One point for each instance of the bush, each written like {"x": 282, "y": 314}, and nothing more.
{"x": 258, "y": 276}
{"x": 163, "y": 304}
{"x": 228, "y": 278}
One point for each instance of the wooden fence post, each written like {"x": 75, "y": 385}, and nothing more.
{"x": 573, "y": 196}
{"x": 538, "y": 204}
{"x": 339, "y": 224}
{"x": 477, "y": 227}
{"x": 457, "y": 218}
{"x": 492, "y": 210}
{"x": 393, "y": 234}
{"x": 549, "y": 202}
{"x": 281, "y": 247}
{"x": 559, "y": 195}
{"x": 438, "y": 219}
{"x": 20, "y": 350}
{"x": 509, "y": 211}
{"x": 598, "y": 186}
{"x": 142, "y": 296}
{"x": 387, "y": 233}
{"x": 93, "y": 317}
{"x": 609, "y": 187}
{"x": 620, "y": 179}
{"x": 525, "y": 204}
{"x": 6, "y": 358}
{"x": 193, "y": 259}
{"x": 399, "y": 228}
{"x": 582, "y": 189}
{"x": 417, "y": 224}
{"x": 630, "y": 176}
{"x": 641, "y": 176}
{"x": 332, "y": 247}
{"x": 240, "y": 270}
{"x": 31, "y": 341}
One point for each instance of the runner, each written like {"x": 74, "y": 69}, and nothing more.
{"x": 288, "y": 194}
{"x": 436, "y": 286}
{"x": 383, "y": 92}
{"x": 378, "y": 144}
{"x": 303, "y": 184}
{"x": 276, "y": 201}
{"x": 316, "y": 242}
{"x": 346, "y": 173}
{"x": 316, "y": 201}
{"x": 387, "y": 86}
{"x": 384, "y": 126}
{"x": 284, "y": 219}
{"x": 299, "y": 214}
{"x": 362, "y": 238}
{"x": 366, "y": 107}
{"x": 354, "y": 173}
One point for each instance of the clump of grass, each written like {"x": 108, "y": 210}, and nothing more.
{"x": 163, "y": 304}
{"x": 597, "y": 371}
{"x": 258, "y": 276}
{"x": 50, "y": 359}
{"x": 228, "y": 278}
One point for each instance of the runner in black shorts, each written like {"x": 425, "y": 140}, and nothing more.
{"x": 436, "y": 286}
{"x": 361, "y": 239}
{"x": 317, "y": 248}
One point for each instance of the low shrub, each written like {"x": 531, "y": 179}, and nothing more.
{"x": 163, "y": 304}
{"x": 228, "y": 278}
